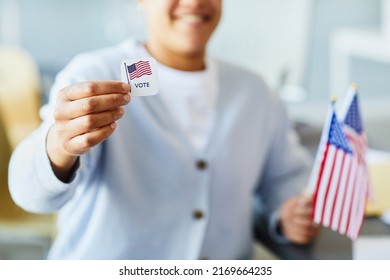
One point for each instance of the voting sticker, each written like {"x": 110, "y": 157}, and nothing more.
{"x": 141, "y": 74}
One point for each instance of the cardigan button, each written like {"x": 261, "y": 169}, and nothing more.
{"x": 198, "y": 214}
{"x": 201, "y": 165}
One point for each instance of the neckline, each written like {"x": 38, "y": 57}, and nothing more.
{"x": 157, "y": 104}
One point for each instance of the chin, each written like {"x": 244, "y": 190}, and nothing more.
{"x": 193, "y": 47}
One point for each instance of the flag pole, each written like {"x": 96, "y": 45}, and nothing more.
{"x": 320, "y": 150}
{"x": 127, "y": 73}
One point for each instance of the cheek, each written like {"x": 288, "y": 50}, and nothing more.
{"x": 156, "y": 11}
{"x": 217, "y": 5}
{"x": 157, "y": 23}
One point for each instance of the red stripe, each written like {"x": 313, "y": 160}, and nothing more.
{"x": 357, "y": 207}
{"x": 363, "y": 200}
{"x": 141, "y": 68}
{"x": 319, "y": 181}
{"x": 365, "y": 204}
{"x": 340, "y": 197}
{"x": 353, "y": 197}
{"x": 360, "y": 148}
{"x": 140, "y": 63}
{"x": 329, "y": 183}
{"x": 137, "y": 74}
{"x": 337, "y": 188}
{"x": 345, "y": 195}
{"x": 141, "y": 73}
{"x": 358, "y": 143}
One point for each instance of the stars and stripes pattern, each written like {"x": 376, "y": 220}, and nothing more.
{"x": 342, "y": 182}
{"x": 353, "y": 129}
{"x": 139, "y": 69}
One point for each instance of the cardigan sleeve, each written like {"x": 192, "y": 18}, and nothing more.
{"x": 285, "y": 174}
{"x": 32, "y": 182}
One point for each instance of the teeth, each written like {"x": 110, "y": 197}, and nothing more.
{"x": 192, "y": 18}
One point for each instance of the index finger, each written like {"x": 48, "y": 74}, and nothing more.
{"x": 305, "y": 198}
{"x": 304, "y": 204}
{"x": 92, "y": 88}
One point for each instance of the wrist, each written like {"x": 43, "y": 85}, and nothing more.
{"x": 62, "y": 163}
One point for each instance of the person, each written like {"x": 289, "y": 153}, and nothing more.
{"x": 171, "y": 176}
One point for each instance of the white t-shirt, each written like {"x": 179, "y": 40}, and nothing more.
{"x": 190, "y": 98}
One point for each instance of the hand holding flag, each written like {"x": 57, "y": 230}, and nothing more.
{"x": 340, "y": 177}
{"x": 295, "y": 219}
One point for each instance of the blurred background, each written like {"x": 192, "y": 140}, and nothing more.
{"x": 305, "y": 49}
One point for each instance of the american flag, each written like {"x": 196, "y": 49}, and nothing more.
{"x": 139, "y": 69}
{"x": 353, "y": 128}
{"x": 341, "y": 180}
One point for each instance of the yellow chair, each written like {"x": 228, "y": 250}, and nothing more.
{"x": 4, "y": 157}
{"x": 19, "y": 93}
{"x": 19, "y": 116}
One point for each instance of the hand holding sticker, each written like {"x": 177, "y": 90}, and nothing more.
{"x": 141, "y": 74}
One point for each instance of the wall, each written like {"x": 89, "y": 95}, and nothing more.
{"x": 287, "y": 42}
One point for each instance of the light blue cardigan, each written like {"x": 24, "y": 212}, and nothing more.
{"x": 134, "y": 196}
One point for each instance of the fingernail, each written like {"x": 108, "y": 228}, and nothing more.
{"x": 126, "y": 87}
{"x": 113, "y": 125}
{"x": 302, "y": 201}
{"x": 127, "y": 98}
{"x": 120, "y": 112}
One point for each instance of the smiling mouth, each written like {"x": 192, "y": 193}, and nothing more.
{"x": 193, "y": 19}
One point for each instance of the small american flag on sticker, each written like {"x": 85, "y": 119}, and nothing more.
{"x": 139, "y": 69}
